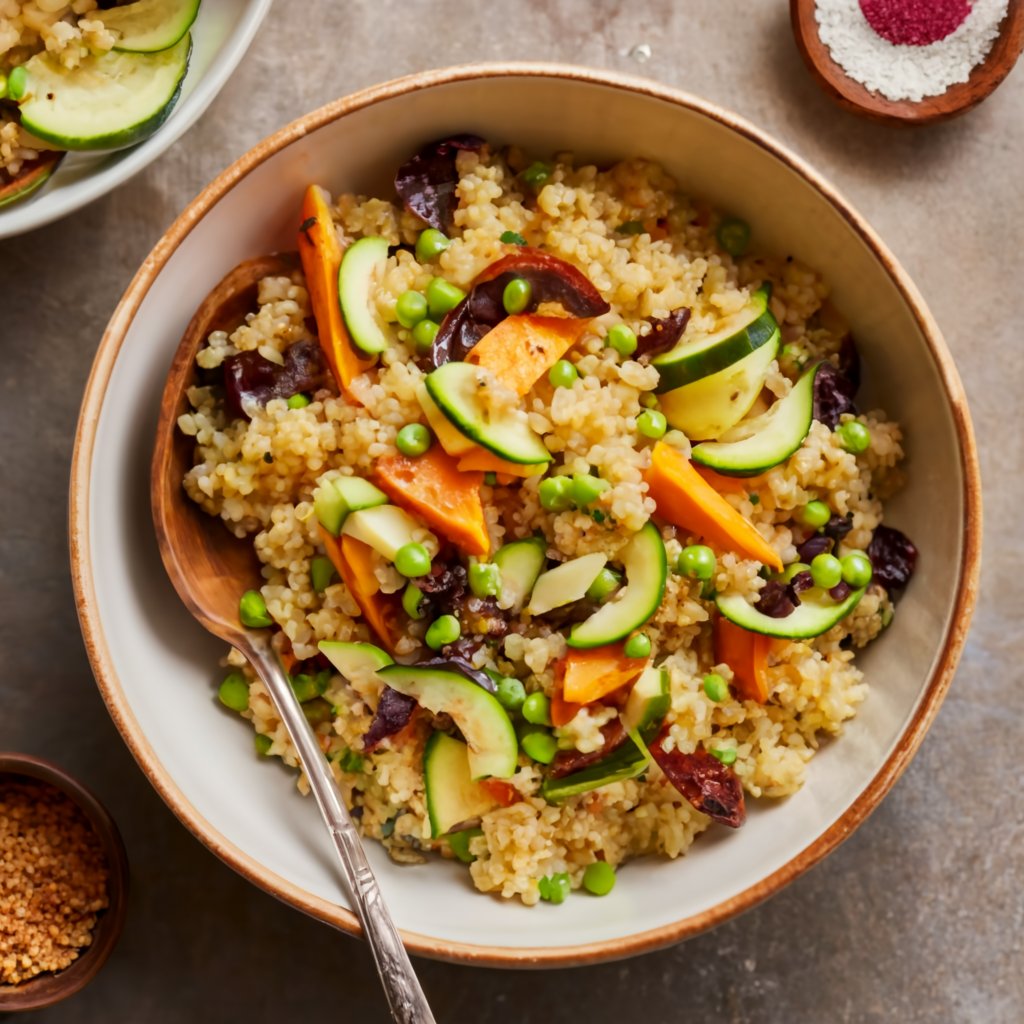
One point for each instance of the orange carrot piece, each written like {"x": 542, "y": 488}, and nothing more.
{"x": 729, "y": 484}
{"x": 481, "y": 460}
{"x": 746, "y": 654}
{"x": 503, "y": 793}
{"x": 597, "y": 671}
{"x": 354, "y": 561}
{"x": 320, "y": 252}
{"x": 521, "y": 349}
{"x": 684, "y": 498}
{"x": 432, "y": 487}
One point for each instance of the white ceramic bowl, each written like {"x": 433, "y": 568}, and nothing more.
{"x": 220, "y": 36}
{"x": 155, "y": 666}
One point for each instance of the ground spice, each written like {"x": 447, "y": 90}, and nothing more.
{"x": 53, "y": 880}
{"x": 909, "y": 49}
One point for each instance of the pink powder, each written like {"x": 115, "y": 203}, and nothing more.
{"x": 915, "y": 22}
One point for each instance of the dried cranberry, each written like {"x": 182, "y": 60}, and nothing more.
{"x": 849, "y": 361}
{"x": 567, "y": 762}
{"x": 712, "y": 787}
{"x": 453, "y": 662}
{"x": 446, "y": 583}
{"x": 777, "y": 600}
{"x": 893, "y": 559}
{"x": 249, "y": 378}
{"x": 394, "y": 710}
{"x": 833, "y": 395}
{"x": 664, "y": 332}
{"x": 800, "y": 582}
{"x": 840, "y": 592}
{"x": 816, "y": 544}
{"x": 426, "y": 183}
{"x": 838, "y": 526}
{"x": 481, "y": 616}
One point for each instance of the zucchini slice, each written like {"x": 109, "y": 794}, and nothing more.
{"x": 453, "y": 797}
{"x": 32, "y": 177}
{"x": 520, "y": 564}
{"x": 107, "y": 102}
{"x": 149, "y": 26}
{"x": 627, "y": 762}
{"x": 333, "y": 500}
{"x": 354, "y": 660}
{"x": 456, "y": 389}
{"x": 766, "y": 440}
{"x": 816, "y": 614}
{"x": 646, "y": 566}
{"x": 361, "y": 266}
{"x": 735, "y": 338}
{"x": 709, "y": 407}
{"x": 565, "y": 583}
{"x": 648, "y": 704}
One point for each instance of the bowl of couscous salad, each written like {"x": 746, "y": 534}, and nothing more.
{"x": 586, "y": 492}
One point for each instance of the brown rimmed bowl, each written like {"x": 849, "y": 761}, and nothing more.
{"x": 47, "y": 989}
{"x": 156, "y": 668}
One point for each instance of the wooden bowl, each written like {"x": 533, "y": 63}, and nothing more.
{"x": 955, "y": 100}
{"x": 50, "y": 988}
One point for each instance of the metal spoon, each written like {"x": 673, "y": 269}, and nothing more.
{"x": 210, "y": 569}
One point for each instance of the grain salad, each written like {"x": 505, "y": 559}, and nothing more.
{"x": 570, "y": 525}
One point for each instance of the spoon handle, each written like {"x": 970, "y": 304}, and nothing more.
{"x": 401, "y": 986}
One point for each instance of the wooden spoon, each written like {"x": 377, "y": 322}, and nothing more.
{"x": 210, "y": 569}
{"x": 955, "y": 100}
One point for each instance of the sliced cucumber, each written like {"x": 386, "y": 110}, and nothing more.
{"x": 816, "y": 614}
{"x": 483, "y": 722}
{"x": 734, "y": 339}
{"x": 627, "y": 762}
{"x": 386, "y": 528}
{"x": 149, "y": 26}
{"x": 456, "y": 389}
{"x": 564, "y": 584}
{"x": 707, "y": 408}
{"x": 32, "y": 177}
{"x": 354, "y": 660}
{"x": 520, "y": 564}
{"x": 453, "y": 441}
{"x": 648, "y": 704}
{"x": 106, "y": 102}
{"x": 361, "y": 267}
{"x": 335, "y": 498}
{"x": 646, "y": 566}
{"x": 768, "y": 439}
{"x": 453, "y": 797}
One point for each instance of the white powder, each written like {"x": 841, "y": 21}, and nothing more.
{"x": 907, "y": 72}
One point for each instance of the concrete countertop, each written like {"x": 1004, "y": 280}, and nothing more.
{"x": 918, "y": 917}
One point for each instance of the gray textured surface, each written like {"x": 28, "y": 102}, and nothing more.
{"x": 917, "y": 918}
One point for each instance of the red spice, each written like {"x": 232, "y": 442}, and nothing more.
{"x": 915, "y": 22}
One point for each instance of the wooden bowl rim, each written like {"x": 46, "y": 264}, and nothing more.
{"x": 50, "y": 988}
{"x": 425, "y": 945}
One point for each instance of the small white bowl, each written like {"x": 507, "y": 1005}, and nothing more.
{"x": 220, "y": 36}
{"x": 155, "y": 666}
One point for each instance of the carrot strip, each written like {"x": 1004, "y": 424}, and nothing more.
{"x": 729, "y": 484}
{"x": 481, "y": 460}
{"x": 432, "y": 487}
{"x": 746, "y": 654}
{"x": 595, "y": 672}
{"x": 521, "y": 349}
{"x": 684, "y": 498}
{"x": 354, "y": 561}
{"x": 320, "y": 252}
{"x": 503, "y": 793}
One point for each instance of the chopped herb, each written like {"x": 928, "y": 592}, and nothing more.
{"x": 387, "y": 830}
{"x": 755, "y": 499}
{"x": 350, "y": 761}
{"x": 306, "y": 225}
{"x": 631, "y": 227}
{"x": 597, "y": 515}
{"x": 491, "y": 479}
{"x": 267, "y": 457}
{"x": 512, "y": 238}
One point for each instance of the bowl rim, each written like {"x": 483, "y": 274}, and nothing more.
{"x": 331, "y": 913}
{"x": 53, "y": 987}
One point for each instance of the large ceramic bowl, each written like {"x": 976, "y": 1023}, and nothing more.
{"x": 155, "y": 666}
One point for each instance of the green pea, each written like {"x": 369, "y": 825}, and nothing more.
{"x": 511, "y": 693}
{"x": 484, "y": 578}
{"x": 652, "y": 424}
{"x": 540, "y": 746}
{"x": 794, "y": 569}
{"x": 555, "y": 493}
{"x": 321, "y": 573}
{"x": 587, "y": 488}
{"x": 637, "y": 646}
{"x": 444, "y": 630}
{"x": 252, "y": 610}
{"x": 622, "y": 339}
{"x": 630, "y": 227}
{"x": 512, "y": 238}
{"x": 734, "y": 236}
{"x": 299, "y": 401}
{"x": 516, "y": 296}
{"x": 412, "y": 601}
{"x": 262, "y": 744}
{"x": 536, "y": 174}
{"x": 696, "y": 561}
{"x": 233, "y": 693}
{"x": 424, "y": 333}
{"x": 606, "y": 583}
{"x": 599, "y": 878}
{"x": 412, "y": 560}
{"x": 411, "y": 308}
{"x": 716, "y": 688}
{"x": 857, "y": 569}
{"x": 318, "y": 711}
{"x": 815, "y": 514}
{"x": 305, "y": 687}
{"x": 431, "y": 243}
{"x": 17, "y": 82}
{"x": 442, "y": 296}
{"x": 563, "y": 374}
{"x": 555, "y": 888}
{"x": 826, "y": 570}
{"x": 458, "y": 842}
{"x": 649, "y": 400}
{"x": 854, "y": 436}
{"x": 413, "y": 439}
{"x": 537, "y": 709}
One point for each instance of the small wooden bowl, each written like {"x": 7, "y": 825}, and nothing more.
{"x": 955, "y": 100}
{"x": 47, "y": 989}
